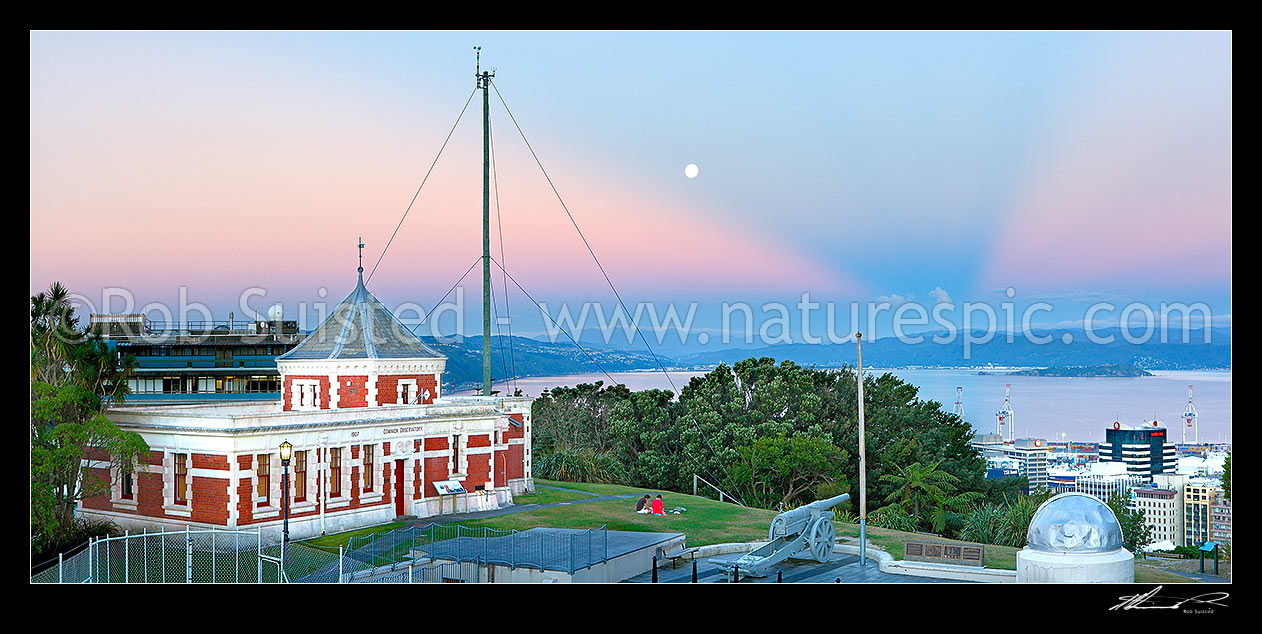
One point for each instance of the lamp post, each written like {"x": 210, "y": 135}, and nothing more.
{"x": 863, "y": 463}
{"x": 286, "y": 452}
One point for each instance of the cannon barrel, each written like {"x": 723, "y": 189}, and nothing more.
{"x": 798, "y": 520}
{"x": 829, "y": 503}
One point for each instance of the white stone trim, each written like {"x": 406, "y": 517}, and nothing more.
{"x": 300, "y": 390}
{"x": 168, "y": 482}
{"x": 414, "y": 392}
{"x": 375, "y": 478}
{"x": 116, "y": 490}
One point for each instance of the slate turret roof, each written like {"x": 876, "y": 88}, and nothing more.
{"x": 361, "y": 328}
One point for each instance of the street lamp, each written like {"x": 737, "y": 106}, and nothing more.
{"x": 863, "y": 463}
{"x": 286, "y": 452}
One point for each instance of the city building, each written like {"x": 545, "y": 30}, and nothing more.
{"x": 1062, "y": 479}
{"x": 1210, "y": 465}
{"x": 1198, "y": 499}
{"x": 1104, "y": 479}
{"x": 1029, "y": 455}
{"x": 1073, "y": 452}
{"x": 1162, "y": 505}
{"x": 1145, "y": 450}
{"x": 199, "y": 362}
{"x": 373, "y": 438}
{"x": 1220, "y": 519}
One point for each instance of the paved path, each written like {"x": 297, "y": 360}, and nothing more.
{"x": 842, "y": 568}
{"x": 1199, "y": 577}
{"x": 519, "y": 508}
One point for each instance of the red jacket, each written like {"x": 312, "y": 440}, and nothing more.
{"x": 657, "y": 506}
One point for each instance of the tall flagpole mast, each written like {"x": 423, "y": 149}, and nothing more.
{"x": 863, "y": 464}
{"x": 484, "y": 83}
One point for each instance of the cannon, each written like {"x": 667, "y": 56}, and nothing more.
{"x": 806, "y": 532}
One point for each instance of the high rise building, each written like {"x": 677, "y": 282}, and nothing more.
{"x": 1220, "y": 519}
{"x": 1103, "y": 479}
{"x": 1029, "y": 454}
{"x": 1198, "y": 499}
{"x": 1145, "y": 450}
{"x": 1162, "y": 505}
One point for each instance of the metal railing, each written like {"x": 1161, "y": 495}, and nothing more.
{"x": 190, "y": 556}
{"x": 722, "y": 494}
{"x": 434, "y": 553}
{"x": 545, "y": 549}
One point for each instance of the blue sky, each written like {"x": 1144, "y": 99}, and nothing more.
{"x": 849, "y": 165}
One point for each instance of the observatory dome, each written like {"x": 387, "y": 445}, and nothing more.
{"x": 1074, "y": 523}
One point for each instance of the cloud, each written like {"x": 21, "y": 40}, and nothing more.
{"x": 940, "y": 296}
{"x": 894, "y": 299}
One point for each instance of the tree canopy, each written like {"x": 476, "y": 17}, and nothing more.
{"x": 75, "y": 376}
{"x": 767, "y": 433}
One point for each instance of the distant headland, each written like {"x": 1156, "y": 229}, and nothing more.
{"x": 1124, "y": 370}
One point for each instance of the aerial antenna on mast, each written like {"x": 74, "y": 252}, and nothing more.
{"x": 484, "y": 84}
{"x": 1190, "y": 418}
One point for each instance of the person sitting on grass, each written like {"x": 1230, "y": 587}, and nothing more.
{"x": 658, "y": 505}
{"x": 642, "y": 504}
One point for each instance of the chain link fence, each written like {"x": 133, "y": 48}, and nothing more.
{"x": 189, "y": 556}
{"x": 435, "y": 553}
{"x": 563, "y": 550}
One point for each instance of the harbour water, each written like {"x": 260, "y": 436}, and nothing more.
{"x": 1054, "y": 408}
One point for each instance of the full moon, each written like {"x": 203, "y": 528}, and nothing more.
{"x": 691, "y": 170}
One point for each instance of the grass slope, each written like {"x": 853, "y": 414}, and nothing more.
{"x": 705, "y": 522}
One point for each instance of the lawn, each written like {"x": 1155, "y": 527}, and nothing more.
{"x": 548, "y": 496}
{"x": 329, "y": 543}
{"x": 1145, "y": 573}
{"x": 705, "y": 522}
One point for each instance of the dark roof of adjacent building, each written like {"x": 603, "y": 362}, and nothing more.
{"x": 361, "y": 328}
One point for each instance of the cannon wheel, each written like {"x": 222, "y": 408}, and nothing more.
{"x": 823, "y": 537}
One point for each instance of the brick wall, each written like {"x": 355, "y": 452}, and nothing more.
{"x": 388, "y": 387}
{"x": 245, "y": 492}
{"x": 210, "y": 500}
{"x": 352, "y": 391}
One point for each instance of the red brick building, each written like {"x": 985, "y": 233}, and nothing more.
{"x": 362, "y": 404}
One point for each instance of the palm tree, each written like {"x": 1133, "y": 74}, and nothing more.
{"x": 54, "y": 329}
{"x": 918, "y": 482}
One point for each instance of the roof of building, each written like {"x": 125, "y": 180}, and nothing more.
{"x": 361, "y": 327}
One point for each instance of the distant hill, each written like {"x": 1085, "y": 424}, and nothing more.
{"x": 1021, "y": 352}
{"x": 522, "y": 356}
{"x": 532, "y": 357}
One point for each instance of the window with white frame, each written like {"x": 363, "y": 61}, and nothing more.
{"x": 262, "y": 478}
{"x": 179, "y": 469}
{"x": 369, "y": 466}
{"x": 306, "y": 394}
{"x": 408, "y": 394}
{"x": 300, "y": 476}
{"x": 335, "y": 472}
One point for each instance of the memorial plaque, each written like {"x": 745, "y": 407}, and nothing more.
{"x": 944, "y": 553}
